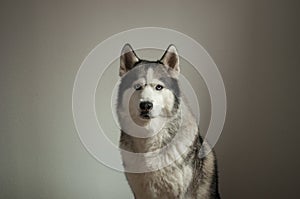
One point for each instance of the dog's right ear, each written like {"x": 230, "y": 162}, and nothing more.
{"x": 128, "y": 59}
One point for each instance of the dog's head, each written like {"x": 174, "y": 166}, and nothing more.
{"x": 149, "y": 89}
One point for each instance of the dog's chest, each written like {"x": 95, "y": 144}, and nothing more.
{"x": 169, "y": 182}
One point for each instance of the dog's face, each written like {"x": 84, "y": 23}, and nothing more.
{"x": 151, "y": 96}
{"x": 148, "y": 89}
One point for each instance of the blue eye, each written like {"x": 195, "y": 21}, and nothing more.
{"x": 137, "y": 87}
{"x": 159, "y": 87}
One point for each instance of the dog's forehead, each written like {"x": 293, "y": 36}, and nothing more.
{"x": 151, "y": 70}
{"x": 155, "y": 71}
{"x": 148, "y": 71}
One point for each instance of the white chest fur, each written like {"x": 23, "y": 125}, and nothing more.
{"x": 169, "y": 182}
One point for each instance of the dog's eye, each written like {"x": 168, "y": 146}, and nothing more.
{"x": 137, "y": 87}
{"x": 159, "y": 87}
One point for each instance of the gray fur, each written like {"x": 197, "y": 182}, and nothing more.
{"x": 189, "y": 177}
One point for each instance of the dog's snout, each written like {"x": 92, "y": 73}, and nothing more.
{"x": 146, "y": 106}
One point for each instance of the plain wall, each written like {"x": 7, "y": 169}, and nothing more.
{"x": 255, "y": 45}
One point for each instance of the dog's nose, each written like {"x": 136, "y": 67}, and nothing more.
{"x": 146, "y": 106}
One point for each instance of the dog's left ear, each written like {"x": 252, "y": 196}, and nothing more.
{"x": 171, "y": 60}
{"x": 128, "y": 59}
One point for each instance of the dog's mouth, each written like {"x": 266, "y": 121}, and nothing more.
{"x": 145, "y": 115}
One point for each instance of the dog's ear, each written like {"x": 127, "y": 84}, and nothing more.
{"x": 128, "y": 59}
{"x": 171, "y": 60}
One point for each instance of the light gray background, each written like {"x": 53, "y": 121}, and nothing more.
{"x": 254, "y": 43}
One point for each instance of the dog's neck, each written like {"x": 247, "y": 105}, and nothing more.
{"x": 162, "y": 131}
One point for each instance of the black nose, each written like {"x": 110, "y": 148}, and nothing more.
{"x": 146, "y": 106}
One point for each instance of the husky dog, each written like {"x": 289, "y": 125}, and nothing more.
{"x": 152, "y": 114}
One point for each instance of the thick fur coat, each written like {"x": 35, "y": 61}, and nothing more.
{"x": 155, "y": 119}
